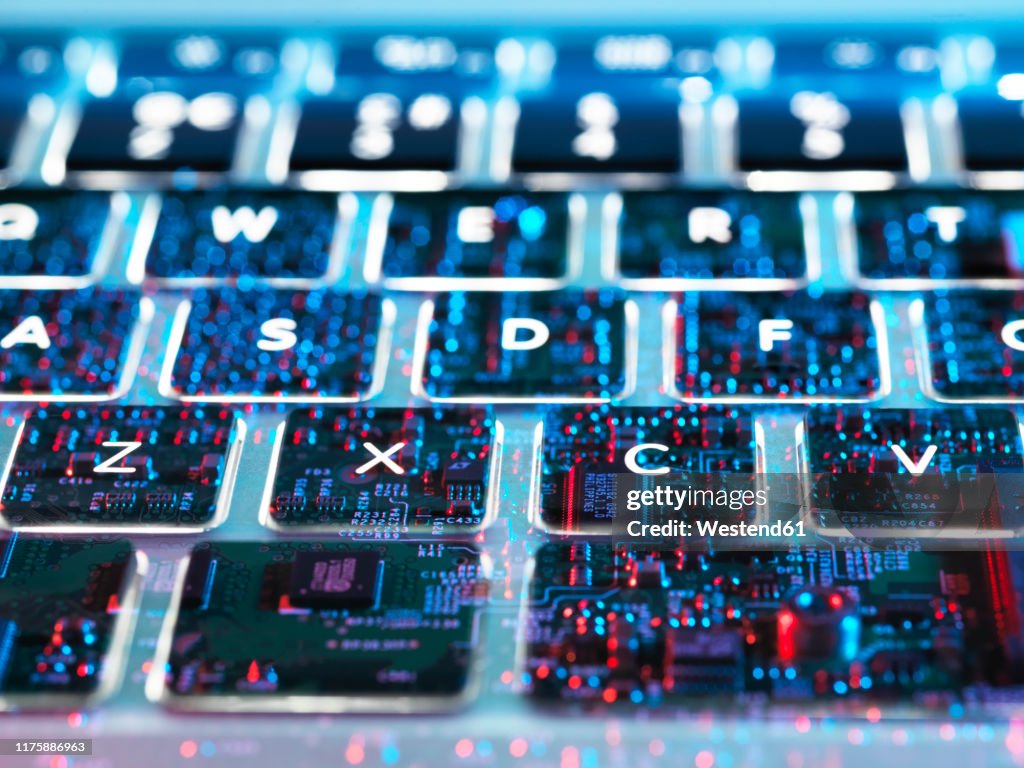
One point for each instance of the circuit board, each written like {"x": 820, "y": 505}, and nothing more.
{"x": 122, "y": 467}
{"x": 475, "y": 235}
{"x": 622, "y": 625}
{"x": 65, "y": 342}
{"x": 939, "y": 235}
{"x": 51, "y": 233}
{"x": 583, "y": 355}
{"x": 286, "y": 344}
{"x": 333, "y": 627}
{"x": 250, "y": 234}
{"x": 826, "y": 345}
{"x": 705, "y": 235}
{"x": 584, "y": 449}
{"x": 969, "y": 357}
{"x": 874, "y": 472}
{"x": 429, "y": 471}
{"x": 61, "y": 622}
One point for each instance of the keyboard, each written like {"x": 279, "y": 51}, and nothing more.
{"x": 512, "y": 397}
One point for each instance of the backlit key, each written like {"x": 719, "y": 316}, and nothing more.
{"x": 265, "y": 345}
{"x": 556, "y": 346}
{"x": 777, "y": 346}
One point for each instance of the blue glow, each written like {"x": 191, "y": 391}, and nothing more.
{"x": 532, "y": 222}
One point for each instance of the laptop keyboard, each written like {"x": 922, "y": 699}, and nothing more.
{"x": 350, "y": 341}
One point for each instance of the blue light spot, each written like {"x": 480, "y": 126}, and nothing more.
{"x": 532, "y": 222}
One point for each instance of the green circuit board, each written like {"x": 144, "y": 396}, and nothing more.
{"x": 628, "y": 625}
{"x": 434, "y": 476}
{"x": 59, "y": 604}
{"x": 260, "y": 623}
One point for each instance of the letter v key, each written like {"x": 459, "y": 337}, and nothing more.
{"x": 918, "y": 467}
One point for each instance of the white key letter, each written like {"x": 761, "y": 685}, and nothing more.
{"x": 945, "y": 218}
{"x": 631, "y": 454}
{"x": 31, "y": 330}
{"x": 918, "y": 467}
{"x": 1010, "y": 337}
{"x": 710, "y": 224}
{"x": 770, "y": 331}
{"x": 17, "y": 222}
{"x": 108, "y": 465}
{"x": 475, "y": 224}
{"x": 510, "y": 330}
{"x": 278, "y": 331}
{"x": 227, "y": 224}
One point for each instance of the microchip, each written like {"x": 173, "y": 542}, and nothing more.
{"x": 334, "y": 580}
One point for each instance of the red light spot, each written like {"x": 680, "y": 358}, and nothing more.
{"x": 464, "y": 748}
{"x": 785, "y": 635}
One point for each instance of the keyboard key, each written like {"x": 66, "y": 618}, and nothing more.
{"x": 257, "y": 625}
{"x": 975, "y": 345}
{"x": 69, "y": 345}
{"x": 385, "y": 472}
{"x": 378, "y": 131}
{"x": 567, "y": 345}
{"x": 595, "y": 132}
{"x": 52, "y": 239}
{"x": 28, "y": 66}
{"x": 940, "y": 237}
{"x": 397, "y": 105}
{"x": 913, "y": 473}
{"x": 200, "y": 237}
{"x": 799, "y": 347}
{"x": 677, "y": 240}
{"x": 148, "y": 469}
{"x": 65, "y": 607}
{"x": 265, "y": 345}
{"x": 585, "y": 465}
{"x": 992, "y": 131}
{"x": 607, "y": 106}
{"x": 142, "y": 129}
{"x": 818, "y": 131}
{"x": 835, "y": 105}
{"x": 634, "y": 626}
{"x": 476, "y": 240}
{"x": 179, "y": 105}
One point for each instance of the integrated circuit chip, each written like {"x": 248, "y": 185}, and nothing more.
{"x": 334, "y": 579}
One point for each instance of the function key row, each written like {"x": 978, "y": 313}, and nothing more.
{"x": 543, "y": 346}
{"x": 488, "y": 240}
